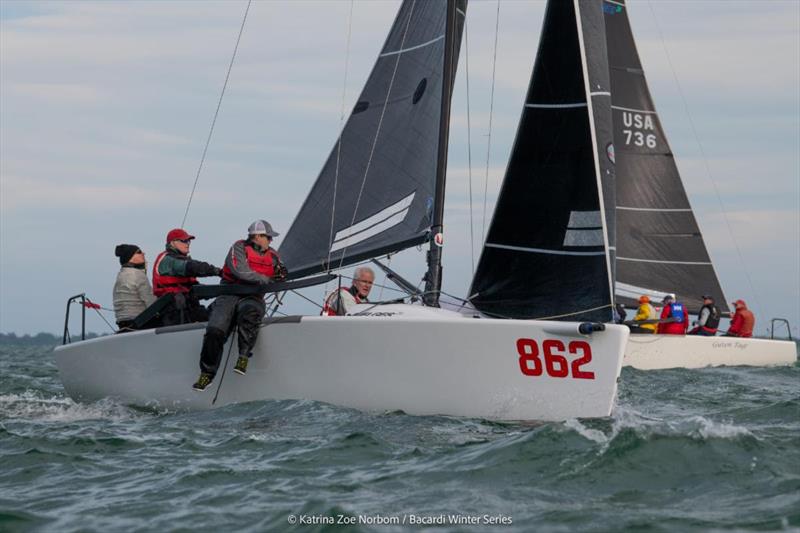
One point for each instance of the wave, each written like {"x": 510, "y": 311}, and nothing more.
{"x": 33, "y": 405}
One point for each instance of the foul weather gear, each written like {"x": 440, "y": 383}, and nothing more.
{"x": 742, "y": 322}
{"x": 341, "y": 301}
{"x": 646, "y": 312}
{"x": 679, "y": 319}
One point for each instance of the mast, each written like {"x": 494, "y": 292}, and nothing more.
{"x": 433, "y": 277}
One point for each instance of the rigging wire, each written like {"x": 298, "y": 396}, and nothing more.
{"x": 378, "y": 130}
{"x": 339, "y": 142}
{"x": 469, "y": 150}
{"x": 705, "y": 159}
{"x": 491, "y": 109}
{"x": 216, "y": 113}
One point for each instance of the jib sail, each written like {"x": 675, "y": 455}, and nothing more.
{"x": 549, "y": 248}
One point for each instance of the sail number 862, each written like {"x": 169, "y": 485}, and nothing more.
{"x": 553, "y": 360}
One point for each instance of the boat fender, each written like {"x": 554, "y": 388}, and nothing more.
{"x": 587, "y": 328}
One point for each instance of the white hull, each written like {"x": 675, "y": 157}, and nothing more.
{"x": 410, "y": 358}
{"x": 653, "y": 352}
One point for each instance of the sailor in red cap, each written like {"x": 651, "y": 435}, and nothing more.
{"x": 742, "y": 322}
{"x": 175, "y": 272}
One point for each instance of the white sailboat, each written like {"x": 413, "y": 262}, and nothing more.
{"x": 553, "y": 218}
{"x": 660, "y": 248}
{"x": 381, "y": 191}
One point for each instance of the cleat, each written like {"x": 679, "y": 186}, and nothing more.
{"x": 203, "y": 381}
{"x": 241, "y": 365}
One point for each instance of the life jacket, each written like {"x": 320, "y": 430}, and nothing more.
{"x": 264, "y": 263}
{"x": 712, "y": 322}
{"x": 332, "y": 310}
{"x": 168, "y": 284}
{"x": 742, "y": 323}
{"x": 677, "y": 311}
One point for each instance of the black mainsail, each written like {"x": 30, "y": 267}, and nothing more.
{"x": 549, "y": 248}
{"x": 376, "y": 192}
{"x": 659, "y": 246}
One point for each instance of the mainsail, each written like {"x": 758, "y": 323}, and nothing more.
{"x": 376, "y": 192}
{"x": 659, "y": 246}
{"x": 548, "y": 252}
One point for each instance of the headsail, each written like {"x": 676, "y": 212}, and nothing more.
{"x": 547, "y": 252}
{"x": 659, "y": 246}
{"x": 375, "y": 193}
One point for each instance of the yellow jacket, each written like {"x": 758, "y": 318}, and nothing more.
{"x": 646, "y": 312}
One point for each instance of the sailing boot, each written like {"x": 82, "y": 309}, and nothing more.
{"x": 241, "y": 365}
{"x": 203, "y": 381}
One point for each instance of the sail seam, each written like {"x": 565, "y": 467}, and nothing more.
{"x": 632, "y": 110}
{"x": 539, "y": 250}
{"x": 410, "y": 48}
{"x": 663, "y": 262}
{"x": 655, "y": 209}
{"x": 556, "y": 106}
{"x": 615, "y": 3}
{"x": 601, "y": 93}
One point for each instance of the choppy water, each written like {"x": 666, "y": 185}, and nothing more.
{"x": 701, "y": 450}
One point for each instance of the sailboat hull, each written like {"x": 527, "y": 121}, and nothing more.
{"x": 419, "y": 360}
{"x": 653, "y": 352}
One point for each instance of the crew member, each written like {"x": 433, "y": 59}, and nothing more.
{"x": 708, "y": 319}
{"x": 175, "y": 272}
{"x": 252, "y": 262}
{"x": 743, "y": 321}
{"x": 674, "y": 318}
{"x": 341, "y": 301}
{"x": 644, "y": 312}
{"x": 132, "y": 290}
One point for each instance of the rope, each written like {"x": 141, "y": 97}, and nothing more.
{"x": 341, "y": 131}
{"x": 216, "y": 113}
{"x": 380, "y": 124}
{"x": 101, "y": 315}
{"x": 705, "y": 160}
{"x": 491, "y": 109}
{"x": 469, "y": 152}
{"x": 306, "y": 298}
{"x": 225, "y": 366}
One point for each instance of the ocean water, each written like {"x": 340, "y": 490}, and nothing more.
{"x": 700, "y": 450}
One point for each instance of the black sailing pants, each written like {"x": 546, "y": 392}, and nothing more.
{"x": 246, "y": 312}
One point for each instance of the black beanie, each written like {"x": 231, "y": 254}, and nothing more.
{"x": 125, "y": 252}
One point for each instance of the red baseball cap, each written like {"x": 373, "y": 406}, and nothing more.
{"x": 737, "y": 302}
{"x": 178, "y": 234}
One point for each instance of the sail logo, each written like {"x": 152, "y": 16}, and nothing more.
{"x": 373, "y": 225}
{"x": 637, "y": 126}
{"x": 610, "y": 9}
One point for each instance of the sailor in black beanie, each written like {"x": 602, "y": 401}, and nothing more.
{"x": 125, "y": 252}
{"x": 132, "y": 291}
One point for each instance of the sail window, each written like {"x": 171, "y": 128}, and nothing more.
{"x": 420, "y": 90}
{"x": 360, "y": 106}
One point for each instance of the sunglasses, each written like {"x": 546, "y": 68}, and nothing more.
{"x": 138, "y": 252}
{"x": 185, "y": 241}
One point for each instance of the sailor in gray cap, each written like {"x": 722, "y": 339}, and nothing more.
{"x": 249, "y": 261}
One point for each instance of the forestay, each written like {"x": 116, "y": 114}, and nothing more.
{"x": 375, "y": 193}
{"x": 659, "y": 246}
{"x": 549, "y": 249}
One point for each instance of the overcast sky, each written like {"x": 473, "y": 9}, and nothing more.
{"x": 105, "y": 108}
